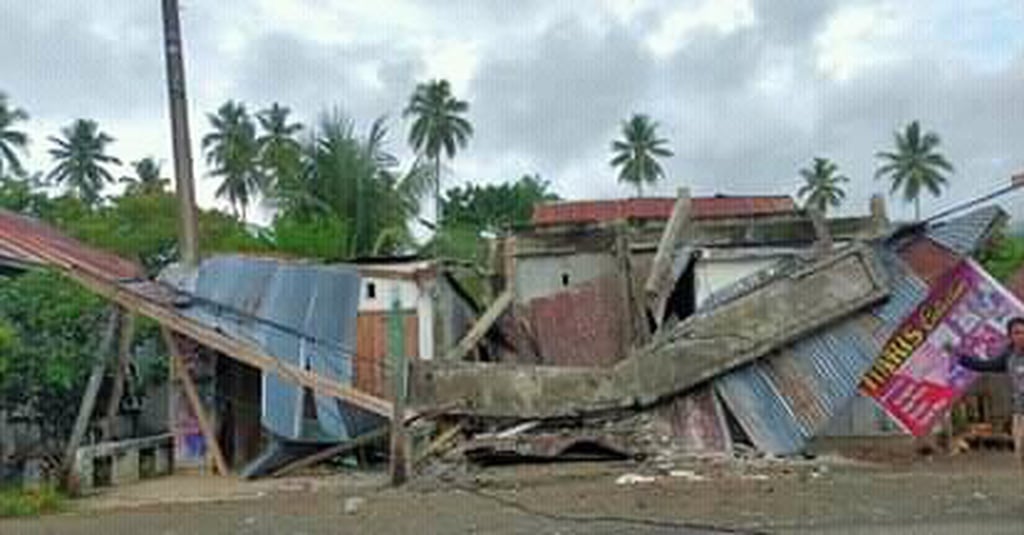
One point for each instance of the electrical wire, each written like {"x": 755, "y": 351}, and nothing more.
{"x": 603, "y": 519}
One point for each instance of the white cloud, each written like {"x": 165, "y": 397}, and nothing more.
{"x": 858, "y": 37}
{"x": 721, "y": 16}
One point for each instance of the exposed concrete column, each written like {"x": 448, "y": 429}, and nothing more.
{"x": 879, "y": 214}
{"x": 822, "y": 234}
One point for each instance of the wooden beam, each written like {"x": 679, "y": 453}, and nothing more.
{"x": 166, "y": 316}
{"x": 480, "y": 328}
{"x": 659, "y": 282}
{"x": 92, "y": 389}
{"x": 231, "y": 347}
{"x": 205, "y": 426}
{"x": 124, "y": 358}
{"x": 438, "y": 444}
{"x": 362, "y": 440}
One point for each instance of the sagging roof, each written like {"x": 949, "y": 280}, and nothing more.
{"x": 660, "y": 208}
{"x": 121, "y": 281}
{"x": 302, "y": 314}
{"x": 23, "y": 239}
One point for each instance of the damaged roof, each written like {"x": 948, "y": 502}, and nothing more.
{"x": 718, "y": 207}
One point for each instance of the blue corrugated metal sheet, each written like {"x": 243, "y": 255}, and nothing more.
{"x": 303, "y": 314}
{"x": 783, "y": 400}
{"x": 963, "y": 234}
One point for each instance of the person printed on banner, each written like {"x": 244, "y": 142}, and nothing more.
{"x": 1011, "y": 362}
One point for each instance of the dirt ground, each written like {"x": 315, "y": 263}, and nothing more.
{"x": 978, "y": 492}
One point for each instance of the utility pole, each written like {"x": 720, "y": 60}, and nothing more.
{"x": 188, "y": 234}
{"x": 396, "y": 352}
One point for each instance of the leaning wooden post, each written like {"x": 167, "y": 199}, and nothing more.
{"x": 124, "y": 357}
{"x": 92, "y": 390}
{"x": 396, "y": 353}
{"x": 181, "y": 369}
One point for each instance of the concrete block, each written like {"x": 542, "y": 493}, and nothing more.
{"x": 126, "y": 467}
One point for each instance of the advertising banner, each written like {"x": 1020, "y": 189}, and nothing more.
{"x": 916, "y": 379}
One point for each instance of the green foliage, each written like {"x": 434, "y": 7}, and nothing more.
{"x": 496, "y": 208}
{"x": 1003, "y": 256}
{"x": 323, "y": 237}
{"x": 351, "y": 195}
{"x": 21, "y": 503}
{"x": 915, "y": 165}
{"x": 147, "y": 179}
{"x": 56, "y": 325}
{"x": 23, "y": 195}
{"x": 438, "y": 127}
{"x": 823, "y": 185}
{"x": 232, "y": 151}
{"x": 637, "y": 153}
{"x": 12, "y": 141}
{"x": 81, "y": 157}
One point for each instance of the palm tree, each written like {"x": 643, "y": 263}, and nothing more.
{"x": 279, "y": 150}
{"x": 233, "y": 154}
{"x": 351, "y": 181}
{"x": 147, "y": 179}
{"x": 638, "y": 152}
{"x": 81, "y": 155}
{"x": 823, "y": 185}
{"x": 915, "y": 165}
{"x": 438, "y": 126}
{"x": 11, "y": 141}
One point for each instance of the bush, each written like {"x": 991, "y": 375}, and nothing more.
{"x": 18, "y": 502}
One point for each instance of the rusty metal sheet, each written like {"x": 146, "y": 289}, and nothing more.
{"x": 696, "y": 422}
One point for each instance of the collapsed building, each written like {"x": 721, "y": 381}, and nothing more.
{"x": 753, "y": 326}
{"x": 707, "y": 322}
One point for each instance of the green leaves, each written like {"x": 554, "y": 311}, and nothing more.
{"x": 81, "y": 156}
{"x": 823, "y": 185}
{"x": 915, "y": 165}
{"x": 12, "y": 141}
{"x": 636, "y": 154}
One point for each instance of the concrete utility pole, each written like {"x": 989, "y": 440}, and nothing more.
{"x": 188, "y": 234}
{"x": 396, "y": 352}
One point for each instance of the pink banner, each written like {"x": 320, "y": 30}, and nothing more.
{"x": 916, "y": 379}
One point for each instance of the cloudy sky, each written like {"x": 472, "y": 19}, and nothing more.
{"x": 747, "y": 91}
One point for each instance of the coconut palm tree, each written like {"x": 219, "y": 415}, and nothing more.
{"x": 12, "y": 141}
{"x": 637, "y": 153}
{"x": 232, "y": 152}
{"x": 915, "y": 165}
{"x": 438, "y": 126}
{"x": 81, "y": 156}
{"x": 147, "y": 179}
{"x": 823, "y": 185}
{"x": 279, "y": 150}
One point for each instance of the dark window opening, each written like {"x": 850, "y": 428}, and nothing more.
{"x": 371, "y": 291}
{"x": 682, "y": 302}
{"x": 565, "y": 279}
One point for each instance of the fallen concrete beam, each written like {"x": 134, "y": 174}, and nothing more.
{"x": 693, "y": 352}
{"x": 480, "y": 328}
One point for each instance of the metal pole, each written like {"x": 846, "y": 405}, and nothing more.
{"x": 188, "y": 236}
{"x": 396, "y": 352}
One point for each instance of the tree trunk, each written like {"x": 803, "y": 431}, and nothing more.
{"x": 917, "y": 208}
{"x": 640, "y": 190}
{"x": 437, "y": 206}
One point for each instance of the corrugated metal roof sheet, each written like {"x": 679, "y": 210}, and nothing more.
{"x": 302, "y": 314}
{"x": 962, "y": 235}
{"x": 659, "y": 208}
{"x": 783, "y": 400}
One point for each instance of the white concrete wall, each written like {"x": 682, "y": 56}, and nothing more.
{"x": 538, "y": 276}
{"x": 408, "y": 294}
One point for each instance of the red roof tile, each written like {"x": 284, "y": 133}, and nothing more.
{"x": 32, "y": 240}
{"x": 564, "y": 212}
